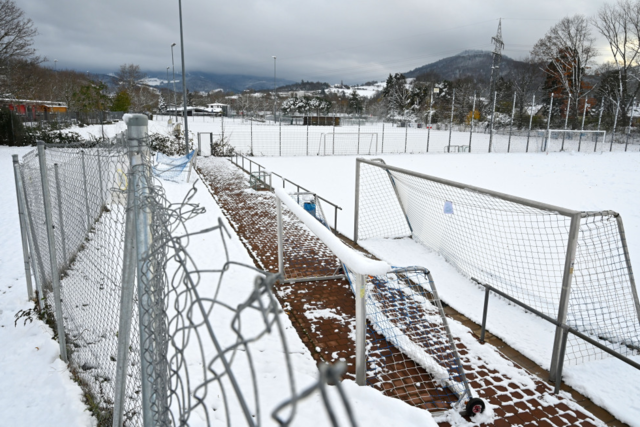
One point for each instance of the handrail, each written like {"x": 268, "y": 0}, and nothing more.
{"x": 285, "y": 180}
{"x": 566, "y": 328}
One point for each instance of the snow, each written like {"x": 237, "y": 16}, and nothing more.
{"x": 36, "y": 387}
{"x": 354, "y": 261}
{"x": 580, "y": 181}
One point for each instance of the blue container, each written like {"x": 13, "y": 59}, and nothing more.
{"x": 310, "y": 207}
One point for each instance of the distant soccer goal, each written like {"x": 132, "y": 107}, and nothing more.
{"x": 351, "y": 143}
{"x": 568, "y": 265}
{"x": 573, "y": 140}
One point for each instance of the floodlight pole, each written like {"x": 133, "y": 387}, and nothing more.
{"x": 184, "y": 85}
{"x": 175, "y": 101}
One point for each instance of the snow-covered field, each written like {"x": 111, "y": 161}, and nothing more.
{"x": 577, "y": 181}
{"x": 573, "y": 180}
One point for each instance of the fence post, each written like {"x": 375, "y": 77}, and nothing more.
{"x": 584, "y": 114}
{"x": 615, "y": 123}
{"x": 86, "y": 192}
{"x": 361, "y": 329}
{"x": 53, "y": 259}
{"x": 280, "y": 237}
{"x": 429, "y": 125}
{"x": 493, "y": 113}
{"x": 595, "y": 146}
{"x": 143, "y": 241}
{"x": 23, "y": 226}
{"x": 453, "y": 100}
{"x": 126, "y": 308}
{"x": 100, "y": 176}
{"x": 566, "y": 122}
{"x": 533, "y": 101}
{"x": 548, "y": 135}
{"x": 406, "y": 131}
{"x": 307, "y": 137}
{"x": 36, "y": 260}
{"x": 572, "y": 243}
{"x": 473, "y": 113}
{"x": 513, "y": 112}
{"x": 633, "y": 104}
{"x": 357, "y": 206}
{"x": 251, "y": 127}
{"x": 382, "y": 151}
{"x": 60, "y": 215}
{"x": 358, "y": 151}
{"x": 333, "y": 150}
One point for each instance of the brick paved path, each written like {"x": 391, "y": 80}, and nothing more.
{"x": 324, "y": 315}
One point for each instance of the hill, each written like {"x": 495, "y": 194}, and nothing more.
{"x": 470, "y": 63}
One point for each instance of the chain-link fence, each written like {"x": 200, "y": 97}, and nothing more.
{"x": 152, "y": 337}
{"x": 289, "y": 138}
{"x": 573, "y": 267}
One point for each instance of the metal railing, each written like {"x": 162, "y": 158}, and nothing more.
{"x": 251, "y": 166}
{"x": 567, "y": 330}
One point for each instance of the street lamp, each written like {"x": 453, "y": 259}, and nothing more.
{"x": 275, "y": 89}
{"x": 175, "y": 102}
{"x": 184, "y": 84}
{"x": 55, "y": 65}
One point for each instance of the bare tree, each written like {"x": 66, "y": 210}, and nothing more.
{"x": 128, "y": 76}
{"x": 619, "y": 23}
{"x": 567, "y": 50}
{"x": 16, "y": 33}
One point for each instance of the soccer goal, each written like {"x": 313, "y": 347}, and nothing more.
{"x": 567, "y": 265}
{"x": 351, "y": 143}
{"x": 403, "y": 343}
{"x": 573, "y": 140}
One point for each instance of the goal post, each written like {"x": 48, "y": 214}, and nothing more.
{"x": 556, "y": 260}
{"x": 403, "y": 342}
{"x": 573, "y": 140}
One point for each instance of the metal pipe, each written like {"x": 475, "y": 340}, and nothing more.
{"x": 36, "y": 260}
{"x": 356, "y": 209}
{"x": 23, "y": 226}
{"x": 453, "y": 100}
{"x": 473, "y": 113}
{"x": 548, "y": 136}
{"x": 361, "y": 329}
{"x": 566, "y": 122}
{"x": 615, "y": 123}
{"x": 503, "y": 196}
{"x": 143, "y": 241}
{"x": 567, "y": 277}
{"x": 533, "y": 101}
{"x": 493, "y": 113}
{"x": 63, "y": 239}
{"x": 86, "y": 192}
{"x": 53, "y": 259}
{"x": 584, "y": 114}
{"x": 126, "y": 309}
{"x": 627, "y": 260}
{"x": 280, "y": 237}
{"x": 513, "y": 112}
{"x": 484, "y": 315}
{"x": 563, "y": 348}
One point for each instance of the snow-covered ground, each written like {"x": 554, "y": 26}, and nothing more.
{"x": 577, "y": 181}
{"x": 574, "y": 180}
{"x": 36, "y": 387}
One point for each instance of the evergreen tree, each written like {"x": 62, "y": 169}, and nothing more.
{"x": 121, "y": 102}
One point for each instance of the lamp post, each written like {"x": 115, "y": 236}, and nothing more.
{"x": 184, "y": 85}
{"x": 275, "y": 89}
{"x": 55, "y": 65}
{"x": 168, "y": 76}
{"x": 175, "y": 101}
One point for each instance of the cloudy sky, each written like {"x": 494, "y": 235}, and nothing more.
{"x": 326, "y": 40}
